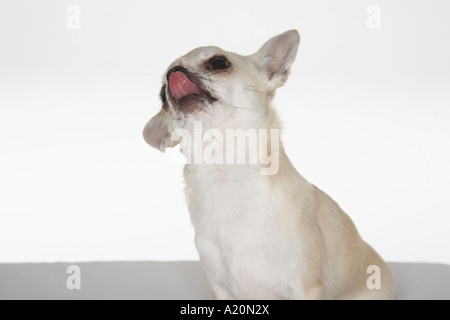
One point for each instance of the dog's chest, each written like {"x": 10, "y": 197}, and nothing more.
{"x": 238, "y": 233}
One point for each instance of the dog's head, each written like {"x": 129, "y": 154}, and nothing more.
{"x": 222, "y": 89}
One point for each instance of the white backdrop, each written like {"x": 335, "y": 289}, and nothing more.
{"x": 366, "y": 111}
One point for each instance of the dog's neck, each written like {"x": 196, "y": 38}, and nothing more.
{"x": 251, "y": 146}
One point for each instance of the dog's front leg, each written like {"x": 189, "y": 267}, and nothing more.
{"x": 307, "y": 291}
{"x": 314, "y": 292}
{"x": 220, "y": 294}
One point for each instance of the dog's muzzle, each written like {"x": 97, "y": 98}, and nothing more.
{"x": 187, "y": 91}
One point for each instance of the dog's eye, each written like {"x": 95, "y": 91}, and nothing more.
{"x": 219, "y": 63}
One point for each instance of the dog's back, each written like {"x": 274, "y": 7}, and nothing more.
{"x": 351, "y": 261}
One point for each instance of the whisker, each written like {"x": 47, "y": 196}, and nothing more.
{"x": 236, "y": 107}
{"x": 266, "y": 93}
{"x": 208, "y": 113}
{"x": 212, "y": 81}
{"x": 161, "y": 120}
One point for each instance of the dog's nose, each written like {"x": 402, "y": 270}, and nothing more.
{"x": 175, "y": 69}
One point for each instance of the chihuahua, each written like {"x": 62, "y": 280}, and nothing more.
{"x": 262, "y": 231}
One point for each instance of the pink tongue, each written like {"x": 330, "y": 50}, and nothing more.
{"x": 180, "y": 86}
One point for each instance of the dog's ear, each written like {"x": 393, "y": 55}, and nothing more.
{"x": 277, "y": 56}
{"x": 158, "y": 131}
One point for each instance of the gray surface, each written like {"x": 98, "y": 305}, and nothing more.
{"x": 173, "y": 280}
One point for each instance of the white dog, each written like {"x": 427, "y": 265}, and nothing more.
{"x": 262, "y": 230}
